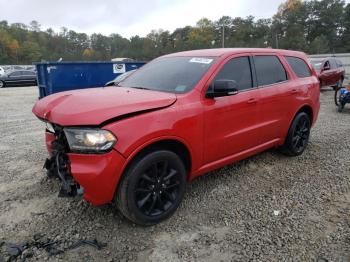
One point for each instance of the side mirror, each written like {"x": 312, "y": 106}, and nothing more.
{"x": 222, "y": 87}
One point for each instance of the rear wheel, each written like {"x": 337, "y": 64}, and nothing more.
{"x": 152, "y": 188}
{"x": 340, "y": 107}
{"x": 2, "y": 84}
{"x": 298, "y": 135}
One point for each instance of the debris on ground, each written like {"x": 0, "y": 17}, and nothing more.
{"x": 40, "y": 241}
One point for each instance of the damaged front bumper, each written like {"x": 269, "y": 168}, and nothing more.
{"x": 96, "y": 176}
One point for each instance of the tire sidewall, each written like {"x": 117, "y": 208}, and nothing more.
{"x": 2, "y": 84}
{"x": 292, "y": 130}
{"x": 137, "y": 170}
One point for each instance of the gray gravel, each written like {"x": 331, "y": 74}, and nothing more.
{"x": 268, "y": 207}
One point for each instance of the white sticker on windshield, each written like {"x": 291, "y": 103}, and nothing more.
{"x": 201, "y": 60}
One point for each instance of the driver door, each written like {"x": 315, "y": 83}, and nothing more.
{"x": 14, "y": 78}
{"x": 327, "y": 74}
{"x": 230, "y": 122}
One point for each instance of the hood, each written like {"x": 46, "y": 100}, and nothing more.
{"x": 96, "y": 105}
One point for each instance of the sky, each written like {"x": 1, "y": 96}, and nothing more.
{"x": 129, "y": 17}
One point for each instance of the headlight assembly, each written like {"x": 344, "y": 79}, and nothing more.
{"x": 89, "y": 140}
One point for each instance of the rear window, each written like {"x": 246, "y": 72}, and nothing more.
{"x": 339, "y": 63}
{"x": 333, "y": 64}
{"x": 300, "y": 68}
{"x": 269, "y": 70}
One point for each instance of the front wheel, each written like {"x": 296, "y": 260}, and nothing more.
{"x": 152, "y": 188}
{"x": 337, "y": 97}
{"x": 298, "y": 135}
{"x": 340, "y": 107}
{"x": 2, "y": 84}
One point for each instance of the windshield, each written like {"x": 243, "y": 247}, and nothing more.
{"x": 170, "y": 74}
{"x": 121, "y": 77}
{"x": 316, "y": 64}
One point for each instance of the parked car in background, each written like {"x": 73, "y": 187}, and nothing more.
{"x": 174, "y": 119}
{"x": 119, "y": 78}
{"x": 18, "y": 78}
{"x": 2, "y": 71}
{"x": 330, "y": 71}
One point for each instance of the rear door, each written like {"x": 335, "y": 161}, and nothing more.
{"x": 231, "y": 121}
{"x": 271, "y": 78}
{"x": 329, "y": 75}
{"x": 297, "y": 90}
{"x": 28, "y": 77}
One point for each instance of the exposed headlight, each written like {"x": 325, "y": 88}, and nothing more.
{"x": 89, "y": 140}
{"x": 49, "y": 127}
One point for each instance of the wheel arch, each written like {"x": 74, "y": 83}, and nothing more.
{"x": 308, "y": 110}
{"x": 173, "y": 144}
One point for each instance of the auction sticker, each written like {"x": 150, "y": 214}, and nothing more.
{"x": 201, "y": 60}
{"x": 118, "y": 68}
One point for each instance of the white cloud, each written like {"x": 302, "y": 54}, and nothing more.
{"x": 129, "y": 17}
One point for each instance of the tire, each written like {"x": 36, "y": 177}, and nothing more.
{"x": 2, "y": 84}
{"x": 340, "y": 107}
{"x": 152, "y": 188}
{"x": 298, "y": 135}
{"x": 336, "y": 96}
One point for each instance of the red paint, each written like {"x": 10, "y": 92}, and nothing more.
{"x": 215, "y": 131}
{"x": 331, "y": 76}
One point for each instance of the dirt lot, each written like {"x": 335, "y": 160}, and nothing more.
{"x": 269, "y": 207}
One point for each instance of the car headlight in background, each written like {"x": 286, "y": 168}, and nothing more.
{"x": 89, "y": 140}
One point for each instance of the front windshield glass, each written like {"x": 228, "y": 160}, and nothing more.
{"x": 121, "y": 77}
{"x": 317, "y": 65}
{"x": 170, "y": 74}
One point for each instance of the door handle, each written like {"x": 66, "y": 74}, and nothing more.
{"x": 252, "y": 101}
{"x": 294, "y": 91}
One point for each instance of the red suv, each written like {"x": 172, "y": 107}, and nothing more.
{"x": 174, "y": 119}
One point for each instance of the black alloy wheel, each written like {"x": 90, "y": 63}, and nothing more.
{"x": 298, "y": 135}
{"x": 152, "y": 188}
{"x": 157, "y": 189}
{"x": 301, "y": 134}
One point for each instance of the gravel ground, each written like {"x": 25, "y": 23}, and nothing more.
{"x": 267, "y": 208}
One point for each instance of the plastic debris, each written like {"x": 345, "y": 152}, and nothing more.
{"x": 39, "y": 241}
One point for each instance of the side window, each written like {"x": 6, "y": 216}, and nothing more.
{"x": 339, "y": 63}
{"x": 237, "y": 69}
{"x": 17, "y": 73}
{"x": 333, "y": 64}
{"x": 269, "y": 70}
{"x": 300, "y": 68}
{"x": 327, "y": 65}
{"x": 27, "y": 73}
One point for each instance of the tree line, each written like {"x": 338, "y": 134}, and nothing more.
{"x": 310, "y": 26}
